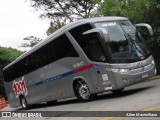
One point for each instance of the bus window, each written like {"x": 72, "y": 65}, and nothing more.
{"x": 90, "y": 43}
{"x": 77, "y": 35}
{"x": 9, "y": 74}
{"x": 97, "y": 53}
{"x": 63, "y": 48}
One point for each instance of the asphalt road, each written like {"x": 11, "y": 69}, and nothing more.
{"x": 140, "y": 97}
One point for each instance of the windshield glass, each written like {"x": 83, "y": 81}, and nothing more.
{"x": 126, "y": 44}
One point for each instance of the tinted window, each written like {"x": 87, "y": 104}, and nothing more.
{"x": 57, "y": 49}
{"x": 77, "y": 35}
{"x": 63, "y": 48}
{"x": 96, "y": 49}
{"x": 90, "y": 43}
{"x": 114, "y": 30}
{"x": 9, "y": 73}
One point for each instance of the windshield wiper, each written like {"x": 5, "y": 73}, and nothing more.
{"x": 139, "y": 48}
{"x": 130, "y": 41}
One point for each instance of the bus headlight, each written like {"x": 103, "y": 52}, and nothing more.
{"x": 123, "y": 70}
{"x": 120, "y": 70}
{"x": 153, "y": 62}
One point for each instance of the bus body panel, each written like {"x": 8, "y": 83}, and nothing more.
{"x": 52, "y": 82}
{"x": 104, "y": 75}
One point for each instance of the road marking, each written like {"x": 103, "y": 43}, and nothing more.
{"x": 144, "y": 109}
{"x": 150, "y": 108}
{"x": 109, "y": 118}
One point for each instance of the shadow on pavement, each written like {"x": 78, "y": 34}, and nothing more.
{"x": 123, "y": 93}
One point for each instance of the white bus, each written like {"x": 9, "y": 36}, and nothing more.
{"x": 81, "y": 59}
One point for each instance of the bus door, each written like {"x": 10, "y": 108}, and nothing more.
{"x": 101, "y": 67}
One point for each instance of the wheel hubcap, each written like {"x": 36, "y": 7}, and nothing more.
{"x": 23, "y": 103}
{"x": 84, "y": 91}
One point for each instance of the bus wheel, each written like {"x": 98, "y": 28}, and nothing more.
{"x": 118, "y": 90}
{"x": 23, "y": 103}
{"x": 83, "y": 93}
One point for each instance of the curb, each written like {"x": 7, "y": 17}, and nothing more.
{"x": 153, "y": 78}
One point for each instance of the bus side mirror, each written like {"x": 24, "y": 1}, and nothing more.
{"x": 147, "y": 26}
{"x": 103, "y": 33}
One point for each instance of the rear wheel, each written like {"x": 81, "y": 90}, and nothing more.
{"x": 23, "y": 103}
{"x": 83, "y": 93}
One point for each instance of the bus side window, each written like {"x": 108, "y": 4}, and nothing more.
{"x": 77, "y": 35}
{"x": 90, "y": 43}
{"x": 95, "y": 47}
{"x": 9, "y": 74}
{"x": 60, "y": 47}
{"x": 63, "y": 48}
{"x": 46, "y": 55}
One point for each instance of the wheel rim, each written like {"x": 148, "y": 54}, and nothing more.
{"x": 84, "y": 91}
{"x": 23, "y": 103}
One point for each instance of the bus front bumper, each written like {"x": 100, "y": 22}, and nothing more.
{"x": 134, "y": 76}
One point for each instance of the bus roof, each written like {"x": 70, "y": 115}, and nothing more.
{"x": 63, "y": 30}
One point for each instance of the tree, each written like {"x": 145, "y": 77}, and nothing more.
{"x": 133, "y": 9}
{"x": 55, "y": 24}
{"x": 32, "y": 41}
{"x": 7, "y": 55}
{"x": 61, "y": 12}
{"x": 109, "y": 8}
{"x": 68, "y": 9}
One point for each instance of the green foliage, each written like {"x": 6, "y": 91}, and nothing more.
{"x": 109, "y": 8}
{"x": 55, "y": 25}
{"x": 32, "y": 41}
{"x": 8, "y": 54}
{"x": 133, "y": 9}
{"x": 62, "y": 11}
{"x": 65, "y": 8}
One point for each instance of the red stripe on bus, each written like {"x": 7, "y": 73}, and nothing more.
{"x": 83, "y": 68}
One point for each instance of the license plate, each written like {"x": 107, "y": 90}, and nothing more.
{"x": 145, "y": 76}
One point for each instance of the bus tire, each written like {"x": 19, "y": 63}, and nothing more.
{"x": 83, "y": 93}
{"x": 23, "y": 103}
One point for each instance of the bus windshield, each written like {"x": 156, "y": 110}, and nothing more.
{"x": 126, "y": 43}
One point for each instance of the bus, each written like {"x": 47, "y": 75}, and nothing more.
{"x": 81, "y": 59}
